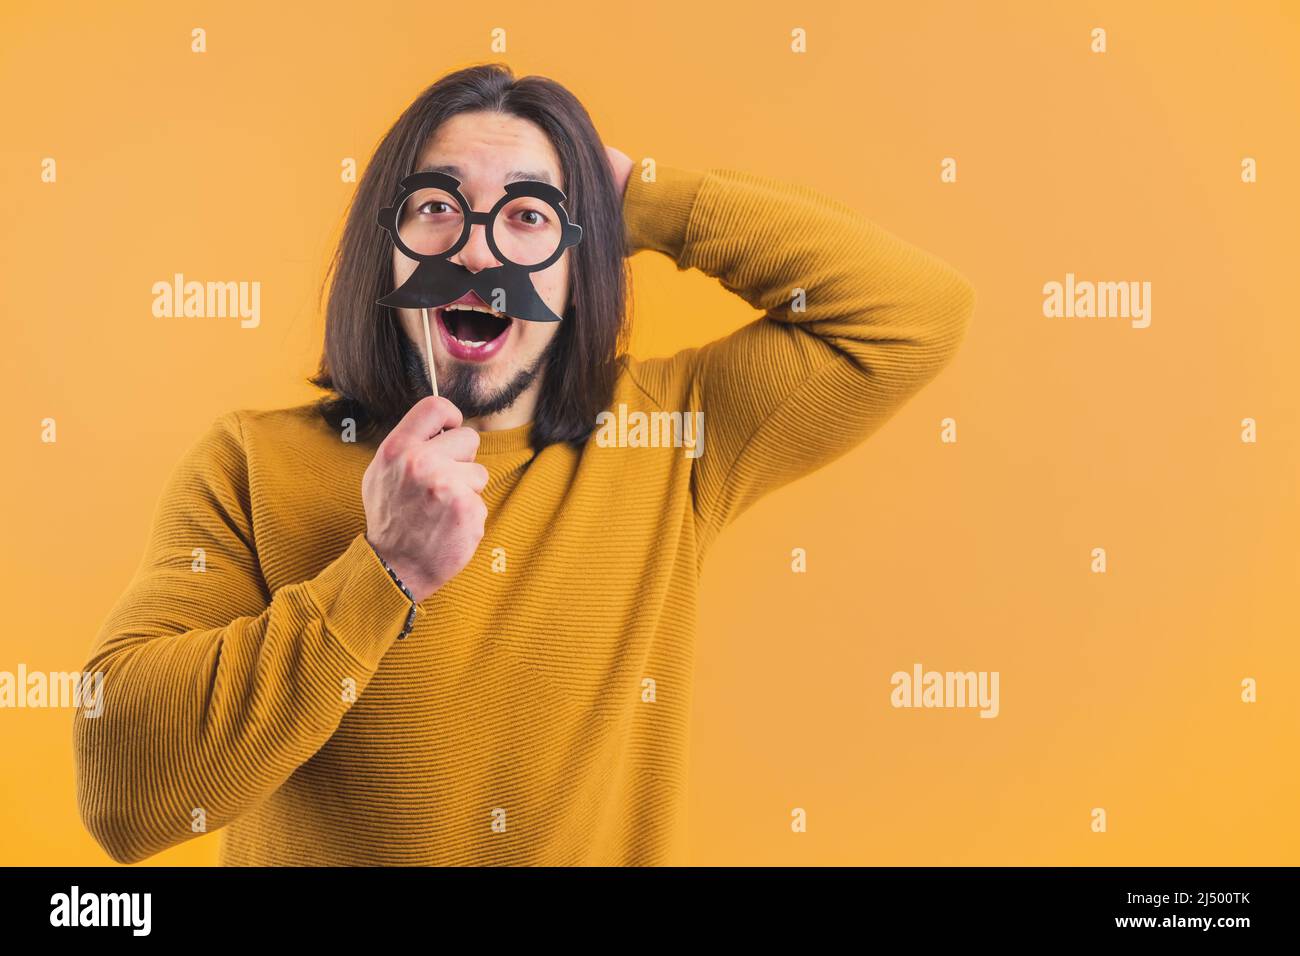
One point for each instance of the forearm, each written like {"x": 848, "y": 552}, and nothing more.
{"x": 805, "y": 259}
{"x": 211, "y": 720}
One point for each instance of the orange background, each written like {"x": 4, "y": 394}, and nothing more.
{"x": 1118, "y": 691}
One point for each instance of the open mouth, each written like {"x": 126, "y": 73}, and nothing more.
{"x": 472, "y": 332}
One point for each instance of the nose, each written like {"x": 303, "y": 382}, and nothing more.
{"x": 475, "y": 254}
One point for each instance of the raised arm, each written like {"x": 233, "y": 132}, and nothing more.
{"x": 855, "y": 322}
{"x": 214, "y": 691}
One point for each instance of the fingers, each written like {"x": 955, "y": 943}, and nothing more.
{"x": 425, "y": 419}
{"x": 473, "y": 474}
{"x": 433, "y": 469}
{"x": 458, "y": 474}
{"x": 458, "y": 444}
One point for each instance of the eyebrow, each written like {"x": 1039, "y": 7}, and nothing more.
{"x": 514, "y": 176}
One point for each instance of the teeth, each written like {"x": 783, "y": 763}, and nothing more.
{"x": 473, "y": 308}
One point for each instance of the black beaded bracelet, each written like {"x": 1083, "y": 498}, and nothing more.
{"x": 410, "y": 617}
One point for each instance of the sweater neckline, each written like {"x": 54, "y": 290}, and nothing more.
{"x": 504, "y": 440}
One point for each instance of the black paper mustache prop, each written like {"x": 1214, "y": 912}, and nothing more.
{"x": 430, "y": 221}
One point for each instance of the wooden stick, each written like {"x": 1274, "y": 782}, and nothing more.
{"x": 428, "y": 351}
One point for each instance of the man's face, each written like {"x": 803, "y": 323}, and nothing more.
{"x": 486, "y": 363}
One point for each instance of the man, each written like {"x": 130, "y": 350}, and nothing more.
{"x": 458, "y": 629}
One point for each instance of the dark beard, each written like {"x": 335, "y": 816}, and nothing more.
{"x": 462, "y": 386}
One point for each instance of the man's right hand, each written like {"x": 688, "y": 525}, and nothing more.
{"x": 422, "y": 496}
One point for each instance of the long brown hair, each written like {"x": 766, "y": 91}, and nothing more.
{"x": 363, "y": 362}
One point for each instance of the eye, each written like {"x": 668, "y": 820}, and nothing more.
{"x": 424, "y": 208}
{"x": 538, "y": 217}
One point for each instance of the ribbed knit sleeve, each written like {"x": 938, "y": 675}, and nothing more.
{"x": 214, "y": 692}
{"x": 855, "y": 321}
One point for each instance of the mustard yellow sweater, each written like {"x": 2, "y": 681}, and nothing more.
{"x": 538, "y": 712}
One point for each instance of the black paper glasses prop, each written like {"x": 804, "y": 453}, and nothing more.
{"x": 527, "y": 230}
